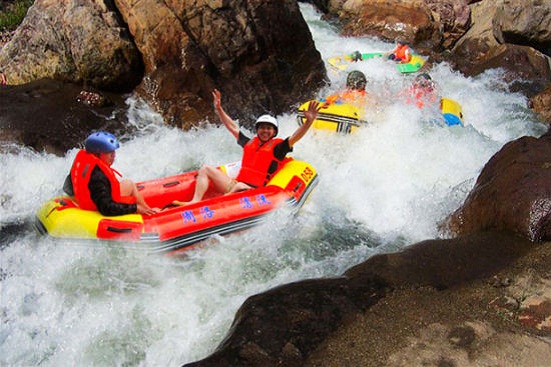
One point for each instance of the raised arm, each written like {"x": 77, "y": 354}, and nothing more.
{"x": 231, "y": 125}
{"x": 310, "y": 114}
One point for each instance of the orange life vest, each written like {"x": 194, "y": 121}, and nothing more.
{"x": 81, "y": 171}
{"x": 257, "y": 158}
{"x": 402, "y": 53}
{"x": 351, "y": 95}
{"x": 347, "y": 96}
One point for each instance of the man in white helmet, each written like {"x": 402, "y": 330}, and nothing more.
{"x": 262, "y": 155}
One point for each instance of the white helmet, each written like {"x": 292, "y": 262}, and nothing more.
{"x": 268, "y": 119}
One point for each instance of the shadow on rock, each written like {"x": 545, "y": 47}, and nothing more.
{"x": 47, "y": 115}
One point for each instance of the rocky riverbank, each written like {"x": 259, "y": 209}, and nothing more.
{"x": 482, "y": 299}
{"x": 502, "y": 319}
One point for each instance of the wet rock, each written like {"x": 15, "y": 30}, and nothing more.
{"x": 93, "y": 99}
{"x": 527, "y": 69}
{"x": 259, "y": 53}
{"x": 46, "y": 115}
{"x": 524, "y": 22}
{"x": 541, "y": 103}
{"x": 512, "y": 193}
{"x": 283, "y": 326}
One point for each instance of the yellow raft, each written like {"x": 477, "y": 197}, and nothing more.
{"x": 347, "y": 118}
{"x": 339, "y": 117}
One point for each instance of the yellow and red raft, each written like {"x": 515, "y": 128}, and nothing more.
{"x": 177, "y": 228}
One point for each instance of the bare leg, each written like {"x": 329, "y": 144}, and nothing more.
{"x": 129, "y": 189}
{"x": 220, "y": 180}
{"x": 208, "y": 174}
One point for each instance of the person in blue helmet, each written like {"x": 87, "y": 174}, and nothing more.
{"x": 263, "y": 154}
{"x": 94, "y": 183}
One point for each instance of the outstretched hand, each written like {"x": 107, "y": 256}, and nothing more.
{"x": 216, "y": 99}
{"x": 312, "y": 112}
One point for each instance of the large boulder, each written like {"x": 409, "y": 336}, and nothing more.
{"x": 82, "y": 42}
{"x": 512, "y": 193}
{"x": 260, "y": 54}
{"x": 479, "y": 49}
{"x": 285, "y": 325}
{"x": 524, "y": 23}
{"x": 429, "y": 25}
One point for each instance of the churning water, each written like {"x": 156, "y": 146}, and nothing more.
{"x": 388, "y": 186}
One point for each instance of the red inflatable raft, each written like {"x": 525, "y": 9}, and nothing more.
{"x": 177, "y": 228}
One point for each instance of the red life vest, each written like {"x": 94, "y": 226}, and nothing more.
{"x": 81, "y": 171}
{"x": 257, "y": 158}
{"x": 420, "y": 96}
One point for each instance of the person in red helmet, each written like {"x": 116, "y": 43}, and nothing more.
{"x": 262, "y": 155}
{"x": 94, "y": 184}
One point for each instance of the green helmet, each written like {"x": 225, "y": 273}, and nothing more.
{"x": 356, "y": 80}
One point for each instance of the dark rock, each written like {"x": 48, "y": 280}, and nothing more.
{"x": 443, "y": 263}
{"x": 512, "y": 193}
{"x": 46, "y": 115}
{"x": 283, "y": 326}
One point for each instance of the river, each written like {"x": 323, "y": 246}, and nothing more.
{"x": 65, "y": 303}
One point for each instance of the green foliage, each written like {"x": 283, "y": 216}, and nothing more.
{"x": 13, "y": 13}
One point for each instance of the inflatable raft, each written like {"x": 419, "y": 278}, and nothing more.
{"x": 340, "y": 117}
{"x": 346, "y": 118}
{"x": 344, "y": 61}
{"x": 177, "y": 228}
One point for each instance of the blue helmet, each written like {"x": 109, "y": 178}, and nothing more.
{"x": 101, "y": 142}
